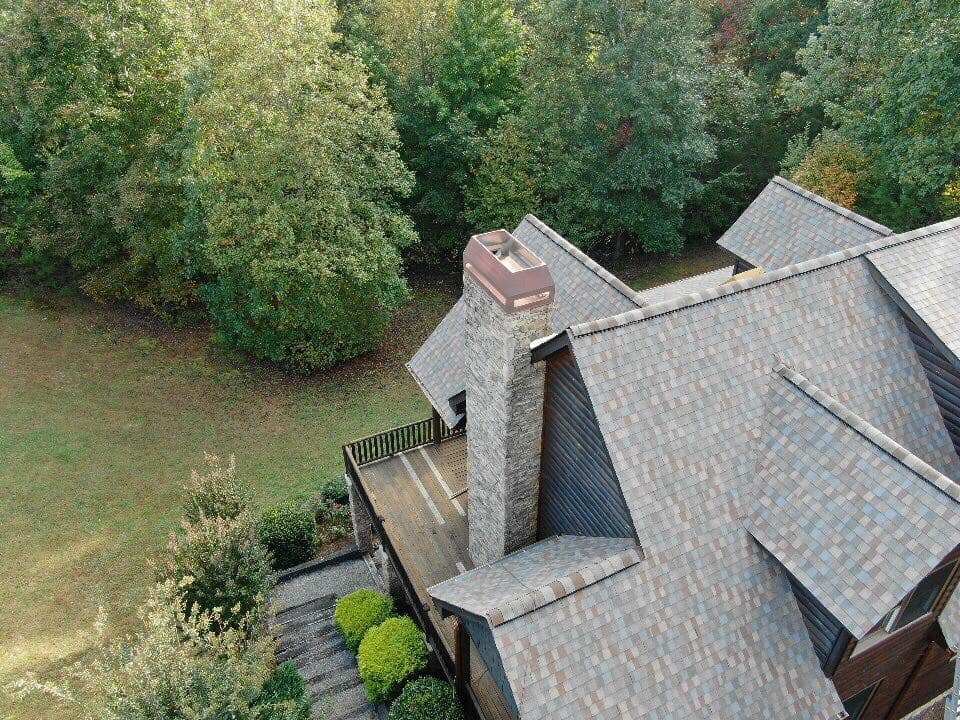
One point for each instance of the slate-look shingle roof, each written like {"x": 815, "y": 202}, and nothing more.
{"x": 923, "y": 276}
{"x": 787, "y": 224}
{"x": 535, "y": 576}
{"x": 706, "y": 625}
{"x": 584, "y": 290}
{"x": 854, "y": 516}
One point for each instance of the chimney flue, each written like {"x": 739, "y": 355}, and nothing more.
{"x": 508, "y": 293}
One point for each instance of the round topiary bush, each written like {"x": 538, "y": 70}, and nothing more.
{"x": 426, "y": 698}
{"x": 335, "y": 490}
{"x": 390, "y": 654}
{"x": 289, "y": 531}
{"x": 358, "y": 612}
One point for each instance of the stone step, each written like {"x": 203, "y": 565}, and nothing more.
{"x": 323, "y": 639}
{"x": 316, "y": 666}
{"x": 294, "y": 625}
{"x": 347, "y": 704}
{"x": 332, "y": 682}
{"x": 317, "y": 604}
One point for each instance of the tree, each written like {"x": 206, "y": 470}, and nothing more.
{"x": 776, "y": 30}
{"x": 442, "y": 123}
{"x": 298, "y": 178}
{"x": 887, "y": 76}
{"x": 613, "y": 119}
{"x": 750, "y": 136}
{"x": 90, "y": 108}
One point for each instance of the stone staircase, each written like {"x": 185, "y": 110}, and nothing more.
{"x": 304, "y": 623}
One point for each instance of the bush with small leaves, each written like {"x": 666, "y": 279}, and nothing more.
{"x": 284, "y": 696}
{"x": 358, "y": 612}
{"x": 389, "y": 655}
{"x": 219, "y": 566}
{"x": 289, "y": 532}
{"x": 217, "y": 493}
{"x": 335, "y": 490}
{"x": 426, "y": 698}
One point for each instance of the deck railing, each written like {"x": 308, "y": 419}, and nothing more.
{"x": 399, "y": 439}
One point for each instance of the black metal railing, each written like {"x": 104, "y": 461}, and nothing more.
{"x": 399, "y": 439}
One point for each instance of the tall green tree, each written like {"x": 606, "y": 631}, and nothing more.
{"x": 613, "y": 124}
{"x": 887, "y": 77}
{"x": 775, "y": 30}
{"x": 442, "y": 122}
{"x": 298, "y": 179}
{"x": 91, "y": 108}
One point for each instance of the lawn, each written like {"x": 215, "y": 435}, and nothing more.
{"x": 102, "y": 417}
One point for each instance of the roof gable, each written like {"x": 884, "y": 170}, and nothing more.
{"x": 786, "y": 224}
{"x": 856, "y": 518}
{"x": 584, "y": 290}
{"x": 922, "y": 277}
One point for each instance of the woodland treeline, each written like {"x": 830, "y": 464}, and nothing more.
{"x": 274, "y": 165}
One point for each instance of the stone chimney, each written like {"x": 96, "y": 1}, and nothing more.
{"x": 508, "y": 293}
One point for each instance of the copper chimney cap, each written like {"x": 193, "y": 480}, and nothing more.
{"x": 509, "y": 271}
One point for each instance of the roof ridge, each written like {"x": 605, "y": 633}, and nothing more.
{"x": 862, "y": 220}
{"x": 591, "y": 573}
{"x": 872, "y": 434}
{"x": 788, "y": 271}
{"x": 585, "y": 260}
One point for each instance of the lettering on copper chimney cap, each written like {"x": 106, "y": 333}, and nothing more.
{"x": 509, "y": 271}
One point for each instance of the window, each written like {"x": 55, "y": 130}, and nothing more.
{"x": 856, "y": 705}
{"x": 915, "y": 606}
{"x": 922, "y": 600}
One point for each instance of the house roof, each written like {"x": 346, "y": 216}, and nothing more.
{"x": 787, "y": 224}
{"x": 855, "y": 517}
{"x": 950, "y": 620}
{"x": 535, "y": 576}
{"x": 694, "y": 283}
{"x": 584, "y": 290}
{"x": 922, "y": 277}
{"x": 707, "y": 623}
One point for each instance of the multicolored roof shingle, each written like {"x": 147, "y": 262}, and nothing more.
{"x": 855, "y": 517}
{"x": 706, "y": 624}
{"x": 584, "y": 290}
{"x": 922, "y": 277}
{"x": 540, "y": 574}
{"x": 787, "y": 224}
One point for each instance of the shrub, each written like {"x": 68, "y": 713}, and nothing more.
{"x": 220, "y": 566}
{"x": 426, "y": 698}
{"x": 284, "y": 695}
{"x": 176, "y": 666}
{"x": 217, "y": 493}
{"x": 389, "y": 654}
{"x": 358, "y": 612}
{"x": 335, "y": 490}
{"x": 331, "y": 508}
{"x": 289, "y": 532}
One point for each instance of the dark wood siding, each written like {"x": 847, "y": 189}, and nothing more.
{"x": 579, "y": 490}
{"x": 943, "y": 377}
{"x": 482, "y": 638}
{"x": 828, "y": 635}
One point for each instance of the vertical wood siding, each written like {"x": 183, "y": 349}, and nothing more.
{"x": 943, "y": 377}
{"x": 827, "y": 634}
{"x": 579, "y": 490}
{"x": 482, "y": 638}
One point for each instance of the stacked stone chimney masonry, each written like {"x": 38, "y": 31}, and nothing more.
{"x": 508, "y": 293}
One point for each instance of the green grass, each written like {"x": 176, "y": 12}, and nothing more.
{"x": 102, "y": 417}
{"x": 651, "y": 270}
{"x": 101, "y": 420}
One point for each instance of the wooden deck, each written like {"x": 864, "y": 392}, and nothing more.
{"x": 420, "y": 494}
